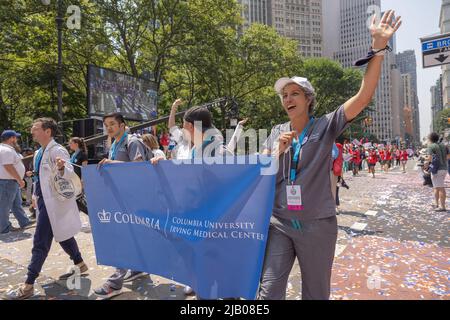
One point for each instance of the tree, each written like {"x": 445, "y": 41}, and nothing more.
{"x": 441, "y": 122}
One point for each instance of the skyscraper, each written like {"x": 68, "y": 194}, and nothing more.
{"x": 406, "y": 61}
{"x": 354, "y": 42}
{"x": 444, "y": 24}
{"x": 354, "y": 35}
{"x": 255, "y": 11}
{"x": 408, "y": 107}
{"x": 299, "y": 20}
{"x": 398, "y": 125}
{"x": 437, "y": 104}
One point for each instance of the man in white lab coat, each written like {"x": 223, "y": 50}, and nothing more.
{"x": 58, "y": 214}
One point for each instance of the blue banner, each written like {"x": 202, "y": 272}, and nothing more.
{"x": 201, "y": 225}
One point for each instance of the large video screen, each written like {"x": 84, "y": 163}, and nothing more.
{"x": 110, "y": 91}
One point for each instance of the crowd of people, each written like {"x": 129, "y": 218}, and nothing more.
{"x": 312, "y": 161}
{"x": 358, "y": 156}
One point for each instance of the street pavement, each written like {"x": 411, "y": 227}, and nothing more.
{"x": 391, "y": 245}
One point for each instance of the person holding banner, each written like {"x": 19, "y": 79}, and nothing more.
{"x": 303, "y": 224}
{"x": 192, "y": 138}
{"x": 198, "y": 138}
{"x": 125, "y": 148}
{"x": 58, "y": 216}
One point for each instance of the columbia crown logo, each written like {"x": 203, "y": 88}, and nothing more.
{"x": 104, "y": 216}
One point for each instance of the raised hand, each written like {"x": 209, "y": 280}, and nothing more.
{"x": 384, "y": 30}
{"x": 176, "y": 103}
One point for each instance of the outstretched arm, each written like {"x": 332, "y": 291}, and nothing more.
{"x": 381, "y": 34}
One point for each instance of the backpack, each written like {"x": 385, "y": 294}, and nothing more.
{"x": 148, "y": 154}
{"x": 434, "y": 165}
{"x": 437, "y": 159}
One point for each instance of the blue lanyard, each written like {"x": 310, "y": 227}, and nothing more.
{"x": 37, "y": 164}
{"x": 113, "y": 150}
{"x": 297, "y": 146}
{"x": 204, "y": 144}
{"x": 73, "y": 159}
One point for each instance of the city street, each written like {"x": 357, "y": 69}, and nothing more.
{"x": 391, "y": 245}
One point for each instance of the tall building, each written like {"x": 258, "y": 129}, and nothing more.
{"x": 407, "y": 115}
{"x": 354, "y": 42}
{"x": 406, "y": 61}
{"x": 398, "y": 123}
{"x": 331, "y": 27}
{"x": 300, "y": 20}
{"x": 354, "y": 36}
{"x": 444, "y": 24}
{"x": 255, "y": 11}
{"x": 408, "y": 102}
{"x": 437, "y": 103}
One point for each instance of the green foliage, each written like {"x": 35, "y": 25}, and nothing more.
{"x": 196, "y": 50}
{"x": 441, "y": 123}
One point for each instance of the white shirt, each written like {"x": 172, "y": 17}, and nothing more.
{"x": 8, "y": 155}
{"x": 182, "y": 150}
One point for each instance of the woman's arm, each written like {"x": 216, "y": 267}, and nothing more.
{"x": 173, "y": 112}
{"x": 381, "y": 34}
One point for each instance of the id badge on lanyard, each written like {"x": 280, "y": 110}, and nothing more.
{"x": 294, "y": 197}
{"x": 294, "y": 191}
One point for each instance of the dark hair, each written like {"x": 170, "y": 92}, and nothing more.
{"x": 433, "y": 137}
{"x": 48, "y": 123}
{"x": 80, "y": 142}
{"x": 199, "y": 114}
{"x": 117, "y": 116}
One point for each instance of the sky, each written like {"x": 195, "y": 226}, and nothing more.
{"x": 420, "y": 18}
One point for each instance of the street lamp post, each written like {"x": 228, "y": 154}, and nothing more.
{"x": 72, "y": 23}
{"x": 59, "y": 25}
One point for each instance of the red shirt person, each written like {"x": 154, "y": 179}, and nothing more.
{"x": 372, "y": 159}
{"x": 356, "y": 156}
{"x": 404, "y": 155}
{"x": 382, "y": 155}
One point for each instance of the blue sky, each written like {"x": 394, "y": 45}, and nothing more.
{"x": 420, "y": 18}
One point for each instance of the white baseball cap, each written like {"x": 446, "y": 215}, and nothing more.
{"x": 283, "y": 82}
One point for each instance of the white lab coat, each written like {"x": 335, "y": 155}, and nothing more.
{"x": 64, "y": 215}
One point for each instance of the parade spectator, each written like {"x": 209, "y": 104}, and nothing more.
{"x": 151, "y": 143}
{"x": 28, "y": 191}
{"x": 165, "y": 140}
{"x": 79, "y": 158}
{"x": 426, "y": 174}
{"x": 438, "y": 158}
{"x": 12, "y": 172}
